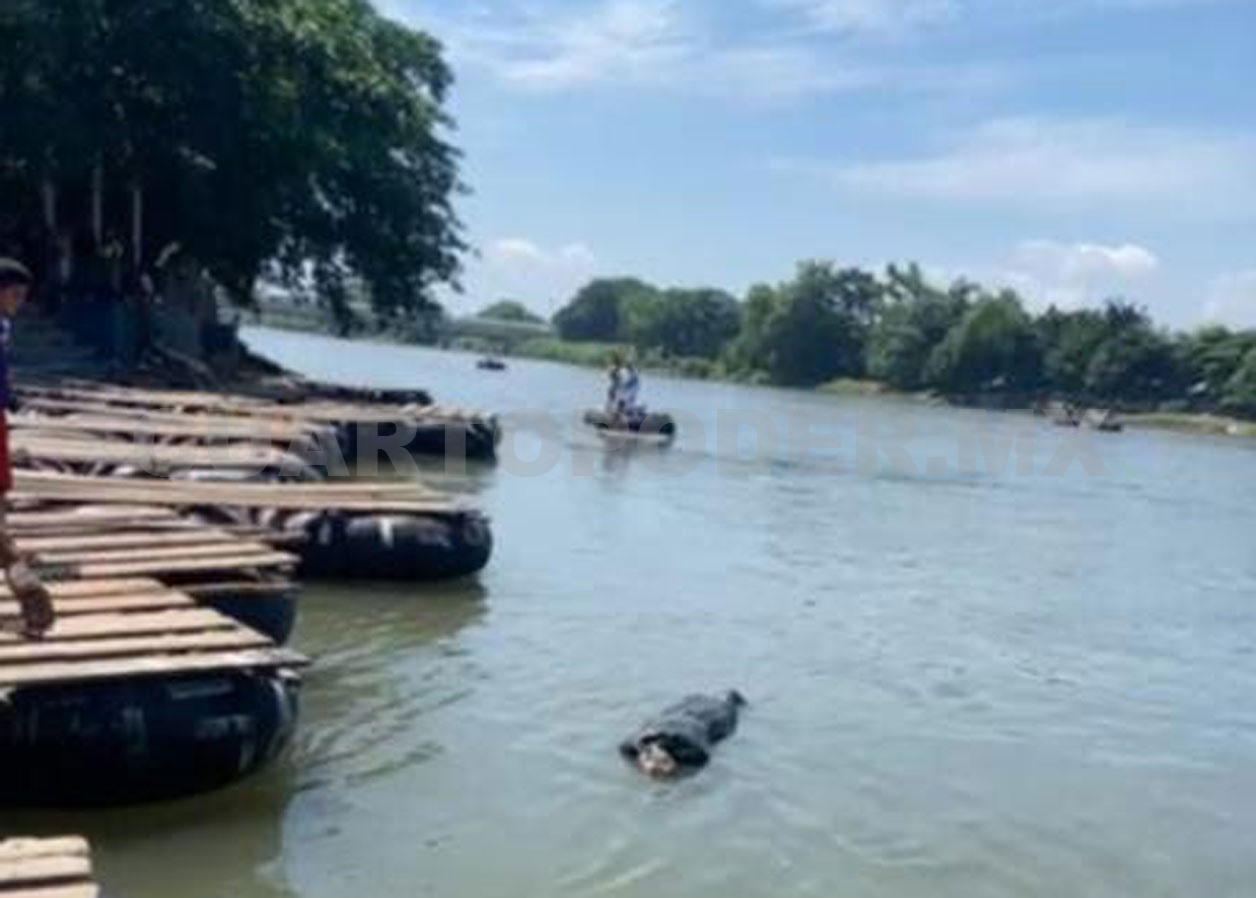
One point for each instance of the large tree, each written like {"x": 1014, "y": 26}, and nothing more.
{"x": 812, "y": 328}
{"x": 598, "y": 311}
{"x": 304, "y": 138}
{"x": 510, "y": 310}
{"x": 916, "y": 317}
{"x": 684, "y": 322}
{"x": 993, "y": 347}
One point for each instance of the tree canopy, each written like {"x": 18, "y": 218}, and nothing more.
{"x": 695, "y": 323}
{"x": 510, "y": 310}
{"x": 303, "y": 138}
{"x": 904, "y": 330}
{"x": 599, "y": 310}
{"x": 812, "y": 328}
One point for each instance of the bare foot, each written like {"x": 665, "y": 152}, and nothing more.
{"x": 33, "y": 598}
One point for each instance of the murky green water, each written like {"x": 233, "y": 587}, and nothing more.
{"x": 965, "y": 681}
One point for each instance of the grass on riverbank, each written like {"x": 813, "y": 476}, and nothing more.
{"x": 597, "y": 355}
{"x": 1193, "y": 422}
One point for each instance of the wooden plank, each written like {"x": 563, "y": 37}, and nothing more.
{"x": 158, "y": 601}
{"x": 205, "y": 549}
{"x": 187, "y": 566}
{"x": 57, "y": 846}
{"x": 141, "y": 396}
{"x": 71, "y": 890}
{"x": 84, "y": 589}
{"x": 96, "y": 626}
{"x": 143, "y": 666}
{"x": 127, "y": 540}
{"x": 323, "y": 411}
{"x": 120, "y": 647}
{"x": 36, "y": 870}
{"x": 84, "y": 448}
{"x": 88, "y": 515}
{"x": 366, "y": 497}
{"x": 256, "y": 430}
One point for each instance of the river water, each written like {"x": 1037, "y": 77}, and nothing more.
{"x": 970, "y": 673}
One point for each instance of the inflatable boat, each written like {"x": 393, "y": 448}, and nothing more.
{"x": 650, "y": 427}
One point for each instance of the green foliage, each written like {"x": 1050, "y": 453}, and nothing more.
{"x": 916, "y": 317}
{"x": 992, "y": 348}
{"x": 1240, "y": 389}
{"x": 697, "y": 323}
{"x": 589, "y": 354}
{"x": 811, "y": 329}
{"x": 1210, "y": 357}
{"x": 510, "y": 310}
{"x": 599, "y": 310}
{"x": 1134, "y": 362}
{"x": 1070, "y": 340}
{"x": 306, "y": 135}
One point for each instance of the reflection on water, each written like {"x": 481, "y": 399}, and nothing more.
{"x": 963, "y": 682}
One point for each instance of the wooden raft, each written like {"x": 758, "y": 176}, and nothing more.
{"x": 108, "y": 398}
{"x": 355, "y": 496}
{"x": 108, "y": 629}
{"x": 259, "y": 431}
{"x": 78, "y": 449}
{"x": 142, "y": 542}
{"x": 46, "y": 868}
{"x": 129, "y": 541}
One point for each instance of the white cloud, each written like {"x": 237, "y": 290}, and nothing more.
{"x": 520, "y": 268}
{"x": 1086, "y": 261}
{"x": 1232, "y": 299}
{"x": 1072, "y": 275}
{"x": 664, "y": 45}
{"x": 1064, "y": 164}
{"x": 881, "y": 17}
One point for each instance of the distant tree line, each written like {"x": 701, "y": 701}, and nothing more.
{"x": 899, "y": 328}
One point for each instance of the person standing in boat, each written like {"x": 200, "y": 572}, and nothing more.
{"x": 629, "y": 390}
{"x": 625, "y": 386}
{"x": 32, "y": 596}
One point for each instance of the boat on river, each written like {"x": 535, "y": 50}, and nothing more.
{"x": 658, "y": 428}
{"x": 491, "y": 363}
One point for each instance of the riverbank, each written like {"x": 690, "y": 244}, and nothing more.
{"x": 1189, "y": 422}
{"x": 589, "y": 354}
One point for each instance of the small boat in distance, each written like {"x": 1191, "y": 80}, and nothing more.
{"x": 491, "y": 363}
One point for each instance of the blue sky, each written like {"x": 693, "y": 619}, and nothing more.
{"x": 1073, "y": 149}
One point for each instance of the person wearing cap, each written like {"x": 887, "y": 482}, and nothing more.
{"x": 31, "y": 594}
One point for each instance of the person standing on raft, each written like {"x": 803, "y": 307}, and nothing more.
{"x": 32, "y": 596}
{"x": 621, "y": 398}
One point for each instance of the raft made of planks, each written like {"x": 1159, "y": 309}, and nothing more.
{"x": 260, "y": 431}
{"x": 238, "y": 569}
{"x": 137, "y": 627}
{"x": 72, "y": 451}
{"x": 126, "y": 546}
{"x": 317, "y": 410}
{"x": 372, "y": 497}
{"x": 46, "y": 868}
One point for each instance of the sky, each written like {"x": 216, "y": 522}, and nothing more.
{"x": 1070, "y": 149}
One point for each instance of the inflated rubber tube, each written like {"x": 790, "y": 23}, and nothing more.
{"x": 392, "y": 547}
{"x": 272, "y": 614}
{"x": 141, "y": 739}
{"x": 416, "y": 547}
